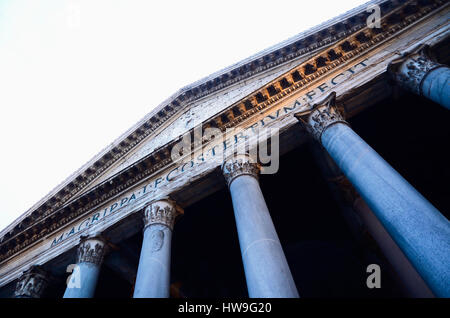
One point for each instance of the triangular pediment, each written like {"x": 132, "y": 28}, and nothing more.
{"x": 221, "y": 99}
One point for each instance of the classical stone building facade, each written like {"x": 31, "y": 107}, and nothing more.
{"x": 148, "y": 218}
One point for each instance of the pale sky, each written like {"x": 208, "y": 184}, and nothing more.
{"x": 75, "y": 75}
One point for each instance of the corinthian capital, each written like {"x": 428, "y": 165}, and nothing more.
{"x": 321, "y": 116}
{"x": 410, "y": 69}
{"x": 239, "y": 165}
{"x": 163, "y": 211}
{"x": 32, "y": 283}
{"x": 91, "y": 250}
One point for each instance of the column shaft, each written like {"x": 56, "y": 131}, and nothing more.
{"x": 88, "y": 276}
{"x": 266, "y": 270}
{"x": 413, "y": 283}
{"x": 418, "y": 228}
{"x": 355, "y": 210}
{"x": 436, "y": 86}
{"x": 83, "y": 281}
{"x": 153, "y": 276}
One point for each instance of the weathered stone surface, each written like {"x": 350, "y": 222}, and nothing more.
{"x": 366, "y": 64}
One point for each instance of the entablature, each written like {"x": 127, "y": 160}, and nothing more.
{"x": 337, "y": 67}
{"x": 303, "y": 44}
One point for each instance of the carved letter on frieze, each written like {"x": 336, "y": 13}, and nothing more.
{"x": 321, "y": 116}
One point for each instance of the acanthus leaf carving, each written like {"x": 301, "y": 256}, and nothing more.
{"x": 91, "y": 250}
{"x": 320, "y": 116}
{"x": 163, "y": 211}
{"x": 32, "y": 283}
{"x": 240, "y": 165}
{"x": 410, "y": 69}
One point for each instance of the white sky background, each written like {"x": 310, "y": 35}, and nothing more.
{"x": 74, "y": 75}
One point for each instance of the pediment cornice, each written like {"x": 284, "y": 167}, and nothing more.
{"x": 64, "y": 206}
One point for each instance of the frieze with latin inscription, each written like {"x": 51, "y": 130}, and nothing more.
{"x": 149, "y": 188}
